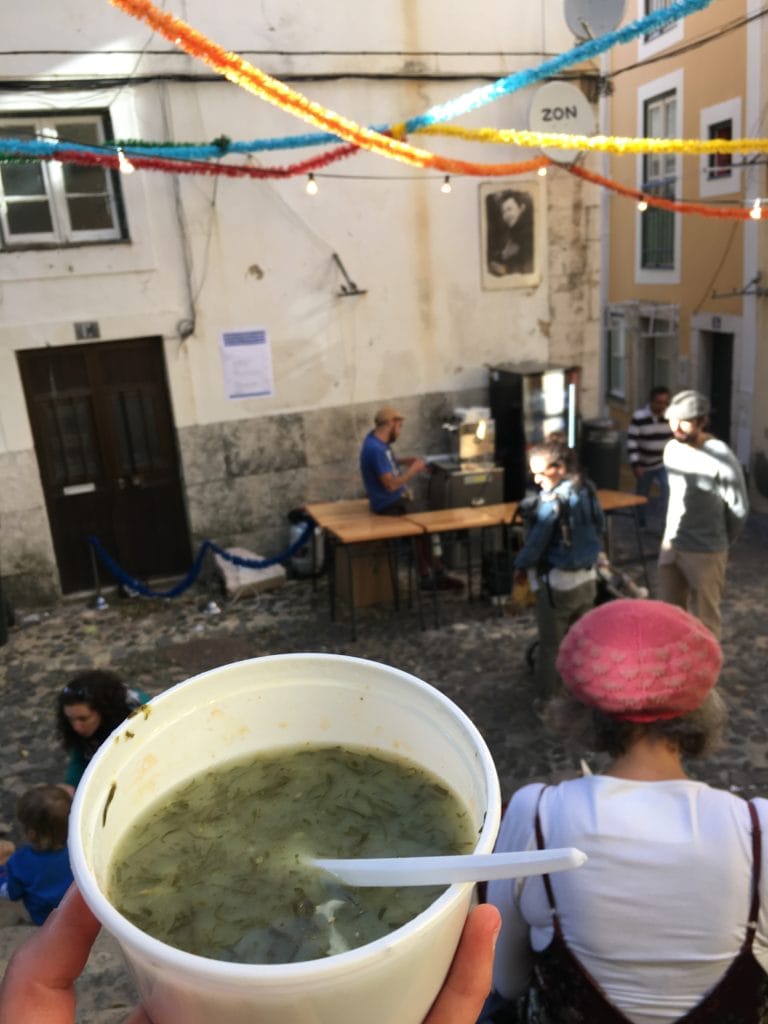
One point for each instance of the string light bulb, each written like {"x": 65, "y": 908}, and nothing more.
{"x": 445, "y": 188}
{"x": 756, "y": 212}
{"x": 642, "y": 206}
{"x": 312, "y": 187}
{"x": 124, "y": 165}
{"x": 542, "y": 172}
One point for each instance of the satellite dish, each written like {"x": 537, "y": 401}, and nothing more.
{"x": 560, "y": 107}
{"x": 588, "y": 19}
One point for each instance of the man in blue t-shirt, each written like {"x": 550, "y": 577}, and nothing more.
{"x": 385, "y": 478}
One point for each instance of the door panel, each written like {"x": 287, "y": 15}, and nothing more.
{"x": 717, "y": 378}
{"x": 105, "y": 443}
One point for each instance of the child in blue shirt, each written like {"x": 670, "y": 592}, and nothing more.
{"x": 38, "y": 873}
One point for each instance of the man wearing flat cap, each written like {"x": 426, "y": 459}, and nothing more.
{"x": 708, "y": 506}
{"x": 385, "y": 478}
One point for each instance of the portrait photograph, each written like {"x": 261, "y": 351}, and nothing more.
{"x": 510, "y": 247}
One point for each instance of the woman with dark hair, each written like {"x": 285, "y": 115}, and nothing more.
{"x": 87, "y": 710}
{"x": 666, "y": 922}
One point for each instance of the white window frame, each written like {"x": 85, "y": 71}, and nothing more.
{"x": 649, "y": 46}
{"x": 725, "y": 184}
{"x": 616, "y": 327}
{"x": 658, "y": 333}
{"x": 62, "y": 233}
{"x": 671, "y": 83}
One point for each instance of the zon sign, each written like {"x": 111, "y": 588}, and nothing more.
{"x": 560, "y": 107}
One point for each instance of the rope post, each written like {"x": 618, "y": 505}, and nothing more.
{"x": 97, "y": 601}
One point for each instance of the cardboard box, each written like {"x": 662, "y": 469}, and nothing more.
{"x": 371, "y": 574}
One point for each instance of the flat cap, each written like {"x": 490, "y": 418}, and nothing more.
{"x": 687, "y": 405}
{"x": 386, "y": 414}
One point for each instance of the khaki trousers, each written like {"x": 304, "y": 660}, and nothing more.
{"x": 694, "y": 580}
{"x": 556, "y": 611}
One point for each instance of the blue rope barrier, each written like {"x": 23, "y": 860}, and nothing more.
{"x": 249, "y": 563}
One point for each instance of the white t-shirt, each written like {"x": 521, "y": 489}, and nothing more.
{"x": 659, "y": 910}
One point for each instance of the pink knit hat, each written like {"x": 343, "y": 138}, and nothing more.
{"x": 639, "y": 660}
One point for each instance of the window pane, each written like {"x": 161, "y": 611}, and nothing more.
{"x": 11, "y": 130}
{"x": 84, "y": 179}
{"x": 137, "y": 431}
{"x": 29, "y": 218}
{"x": 69, "y": 430}
{"x": 85, "y": 132}
{"x": 670, "y": 117}
{"x": 658, "y": 234}
{"x": 22, "y": 180}
{"x": 91, "y": 213}
{"x": 719, "y": 164}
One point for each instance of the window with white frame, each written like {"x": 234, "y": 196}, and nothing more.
{"x": 616, "y": 354}
{"x": 48, "y": 203}
{"x": 662, "y": 38}
{"x": 657, "y": 5}
{"x": 720, "y": 175}
{"x": 657, "y": 231}
{"x": 658, "y": 344}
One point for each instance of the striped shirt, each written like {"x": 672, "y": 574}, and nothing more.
{"x": 646, "y": 437}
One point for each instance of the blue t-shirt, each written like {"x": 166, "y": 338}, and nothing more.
{"x": 376, "y": 459}
{"x": 39, "y": 878}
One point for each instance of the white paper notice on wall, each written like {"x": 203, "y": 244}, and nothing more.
{"x": 247, "y": 362}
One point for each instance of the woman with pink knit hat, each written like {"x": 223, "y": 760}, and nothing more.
{"x": 667, "y": 922}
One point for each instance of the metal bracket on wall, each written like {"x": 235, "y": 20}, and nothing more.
{"x": 349, "y": 287}
{"x": 752, "y": 287}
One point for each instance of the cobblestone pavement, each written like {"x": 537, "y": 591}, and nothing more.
{"x": 476, "y": 657}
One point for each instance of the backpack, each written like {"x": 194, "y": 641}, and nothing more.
{"x": 580, "y": 519}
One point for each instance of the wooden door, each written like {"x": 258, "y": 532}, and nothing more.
{"x": 105, "y": 442}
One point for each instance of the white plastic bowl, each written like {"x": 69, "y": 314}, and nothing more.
{"x": 264, "y": 704}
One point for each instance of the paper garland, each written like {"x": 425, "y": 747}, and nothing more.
{"x": 250, "y": 78}
{"x": 392, "y": 145}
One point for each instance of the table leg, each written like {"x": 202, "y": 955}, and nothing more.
{"x": 394, "y": 572}
{"x": 413, "y": 563}
{"x": 351, "y": 590}
{"x": 332, "y": 550}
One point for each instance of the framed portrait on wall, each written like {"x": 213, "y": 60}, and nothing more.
{"x": 510, "y": 235}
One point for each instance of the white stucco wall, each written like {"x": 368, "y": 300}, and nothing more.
{"x": 259, "y": 253}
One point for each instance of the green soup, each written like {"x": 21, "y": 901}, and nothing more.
{"x": 216, "y": 867}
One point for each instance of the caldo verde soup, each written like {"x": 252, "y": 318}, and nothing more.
{"x": 217, "y": 868}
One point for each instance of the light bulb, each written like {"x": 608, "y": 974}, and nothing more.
{"x": 542, "y": 172}
{"x": 124, "y": 165}
{"x": 642, "y": 206}
{"x": 756, "y": 212}
{"x": 446, "y": 186}
{"x": 481, "y": 430}
{"x": 312, "y": 188}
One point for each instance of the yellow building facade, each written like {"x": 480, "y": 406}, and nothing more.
{"x": 685, "y": 293}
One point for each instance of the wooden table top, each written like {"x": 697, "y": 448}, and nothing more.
{"x": 613, "y": 501}
{"x": 351, "y": 521}
{"x": 467, "y": 517}
{"x": 503, "y": 513}
{"x": 370, "y": 527}
{"x": 324, "y": 511}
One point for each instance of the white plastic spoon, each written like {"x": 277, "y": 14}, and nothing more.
{"x": 473, "y": 867}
